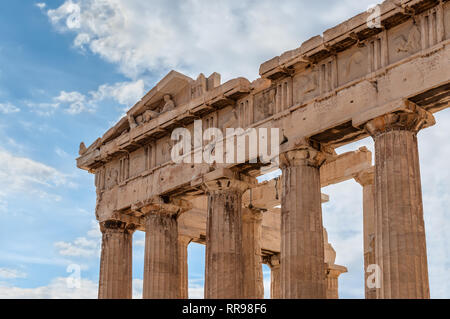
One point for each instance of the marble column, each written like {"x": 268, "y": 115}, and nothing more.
{"x": 333, "y": 273}
{"x": 366, "y": 179}
{"x": 161, "y": 271}
{"x": 115, "y": 261}
{"x": 302, "y": 251}
{"x": 275, "y": 276}
{"x": 399, "y": 225}
{"x": 183, "y": 243}
{"x": 333, "y": 270}
{"x": 251, "y": 250}
{"x": 224, "y": 258}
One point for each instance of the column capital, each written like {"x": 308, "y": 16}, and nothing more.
{"x": 226, "y": 184}
{"x": 251, "y": 214}
{"x": 334, "y": 271}
{"x": 273, "y": 261}
{"x": 172, "y": 207}
{"x": 305, "y": 152}
{"x": 116, "y": 226}
{"x": 410, "y": 118}
{"x": 185, "y": 240}
{"x": 366, "y": 177}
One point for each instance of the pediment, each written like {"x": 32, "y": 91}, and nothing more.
{"x": 173, "y": 83}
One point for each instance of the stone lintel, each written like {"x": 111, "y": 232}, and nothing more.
{"x": 345, "y": 166}
{"x": 366, "y": 177}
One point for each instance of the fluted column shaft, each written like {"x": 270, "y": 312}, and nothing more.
{"x": 116, "y": 261}
{"x": 161, "y": 276}
{"x": 366, "y": 179}
{"x": 183, "y": 243}
{"x": 224, "y": 258}
{"x": 251, "y": 245}
{"x": 333, "y": 284}
{"x": 400, "y": 231}
{"x": 275, "y": 277}
{"x": 302, "y": 251}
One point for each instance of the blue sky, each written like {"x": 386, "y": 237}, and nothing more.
{"x": 69, "y": 69}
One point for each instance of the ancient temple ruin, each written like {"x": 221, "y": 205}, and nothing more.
{"x": 354, "y": 81}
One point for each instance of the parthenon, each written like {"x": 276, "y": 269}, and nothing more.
{"x": 356, "y": 80}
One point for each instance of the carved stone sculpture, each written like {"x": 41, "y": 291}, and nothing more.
{"x": 132, "y": 121}
{"x": 82, "y": 149}
{"x": 149, "y": 115}
{"x": 169, "y": 104}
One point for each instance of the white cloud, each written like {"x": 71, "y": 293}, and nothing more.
{"x": 61, "y": 153}
{"x": 87, "y": 246}
{"x": 230, "y": 37}
{"x": 196, "y": 291}
{"x": 43, "y": 108}
{"x": 137, "y": 288}
{"x": 75, "y": 100}
{"x": 81, "y": 39}
{"x": 8, "y": 273}
{"x": 81, "y": 247}
{"x": 41, "y": 5}
{"x": 25, "y": 176}
{"x": 58, "y": 288}
{"x": 139, "y": 243}
{"x": 69, "y": 12}
{"x": 125, "y": 93}
{"x": 8, "y": 108}
{"x": 3, "y": 203}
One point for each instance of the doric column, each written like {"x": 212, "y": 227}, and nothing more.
{"x": 399, "y": 226}
{"x": 366, "y": 179}
{"x": 183, "y": 243}
{"x": 116, "y": 263}
{"x": 333, "y": 270}
{"x": 333, "y": 273}
{"x": 251, "y": 246}
{"x": 275, "y": 276}
{"x": 302, "y": 251}
{"x": 161, "y": 270}
{"x": 224, "y": 258}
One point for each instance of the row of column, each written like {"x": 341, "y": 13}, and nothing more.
{"x": 165, "y": 265}
{"x": 394, "y": 229}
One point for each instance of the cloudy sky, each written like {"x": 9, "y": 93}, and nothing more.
{"x": 69, "y": 69}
